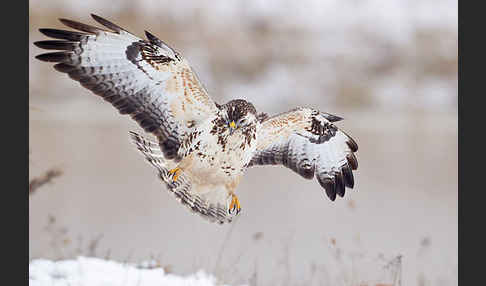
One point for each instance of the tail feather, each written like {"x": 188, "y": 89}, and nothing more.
{"x": 150, "y": 150}
{"x": 182, "y": 189}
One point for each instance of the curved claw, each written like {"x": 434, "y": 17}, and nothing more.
{"x": 234, "y": 205}
{"x": 176, "y": 172}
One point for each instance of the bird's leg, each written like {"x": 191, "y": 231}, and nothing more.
{"x": 235, "y": 204}
{"x": 176, "y": 171}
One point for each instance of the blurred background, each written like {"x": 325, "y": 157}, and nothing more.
{"x": 388, "y": 67}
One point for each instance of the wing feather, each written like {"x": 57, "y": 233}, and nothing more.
{"x": 212, "y": 205}
{"x": 145, "y": 79}
{"x": 307, "y": 142}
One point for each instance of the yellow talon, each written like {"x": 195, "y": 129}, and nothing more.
{"x": 176, "y": 172}
{"x": 235, "y": 204}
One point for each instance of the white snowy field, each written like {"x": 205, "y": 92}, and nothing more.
{"x": 89, "y": 271}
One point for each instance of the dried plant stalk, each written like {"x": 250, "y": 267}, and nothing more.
{"x": 39, "y": 181}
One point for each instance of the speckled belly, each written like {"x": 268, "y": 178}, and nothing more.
{"x": 221, "y": 161}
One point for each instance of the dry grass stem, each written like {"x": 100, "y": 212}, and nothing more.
{"x": 39, "y": 181}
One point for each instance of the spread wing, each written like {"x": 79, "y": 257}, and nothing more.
{"x": 307, "y": 141}
{"x": 145, "y": 79}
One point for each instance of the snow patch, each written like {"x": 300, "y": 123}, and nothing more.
{"x": 95, "y": 271}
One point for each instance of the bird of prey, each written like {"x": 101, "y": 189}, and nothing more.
{"x": 200, "y": 148}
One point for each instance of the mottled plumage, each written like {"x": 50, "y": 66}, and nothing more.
{"x": 203, "y": 148}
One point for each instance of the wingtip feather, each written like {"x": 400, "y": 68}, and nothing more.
{"x": 65, "y": 68}
{"x": 53, "y": 57}
{"x": 56, "y": 45}
{"x": 329, "y": 187}
{"x": 150, "y": 36}
{"x": 332, "y": 117}
{"x": 352, "y": 144}
{"x": 348, "y": 176}
{"x": 340, "y": 187}
{"x": 62, "y": 34}
{"x": 80, "y": 26}
{"x": 108, "y": 24}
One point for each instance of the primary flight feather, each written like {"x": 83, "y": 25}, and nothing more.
{"x": 203, "y": 148}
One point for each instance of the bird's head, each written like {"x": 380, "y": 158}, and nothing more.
{"x": 239, "y": 114}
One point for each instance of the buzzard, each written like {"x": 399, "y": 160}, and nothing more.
{"x": 202, "y": 148}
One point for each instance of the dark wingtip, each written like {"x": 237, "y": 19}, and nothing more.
{"x": 62, "y": 34}
{"x": 106, "y": 23}
{"x": 41, "y": 58}
{"x": 44, "y": 31}
{"x": 65, "y": 68}
{"x": 158, "y": 42}
{"x": 53, "y": 57}
{"x": 340, "y": 187}
{"x": 348, "y": 176}
{"x": 56, "y": 45}
{"x": 80, "y": 26}
{"x": 329, "y": 186}
{"x": 98, "y": 18}
{"x": 332, "y": 117}
{"x": 151, "y": 37}
{"x": 352, "y": 144}
{"x": 68, "y": 22}
{"x": 39, "y": 44}
{"x": 353, "y": 162}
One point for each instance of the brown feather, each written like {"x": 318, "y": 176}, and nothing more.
{"x": 107, "y": 23}
{"x": 80, "y": 26}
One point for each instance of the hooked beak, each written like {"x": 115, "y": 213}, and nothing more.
{"x": 232, "y": 126}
